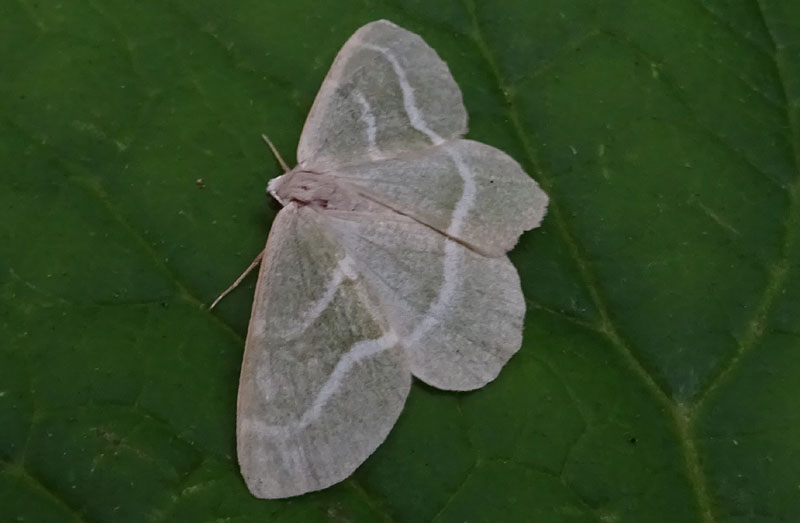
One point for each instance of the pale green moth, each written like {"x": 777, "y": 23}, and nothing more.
{"x": 387, "y": 260}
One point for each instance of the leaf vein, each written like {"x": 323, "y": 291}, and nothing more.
{"x": 779, "y": 271}
{"x": 694, "y": 472}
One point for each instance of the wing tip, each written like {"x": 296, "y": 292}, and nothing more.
{"x": 380, "y": 23}
{"x": 264, "y": 485}
{"x": 539, "y": 207}
{"x": 384, "y": 21}
{"x": 531, "y": 220}
{"x": 259, "y": 490}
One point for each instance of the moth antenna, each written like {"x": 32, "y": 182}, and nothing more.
{"x": 239, "y": 279}
{"x": 276, "y": 153}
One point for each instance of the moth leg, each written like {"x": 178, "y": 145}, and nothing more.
{"x": 276, "y": 153}
{"x": 239, "y": 279}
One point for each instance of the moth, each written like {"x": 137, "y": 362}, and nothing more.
{"x": 387, "y": 261}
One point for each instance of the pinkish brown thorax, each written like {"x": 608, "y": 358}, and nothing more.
{"x": 321, "y": 191}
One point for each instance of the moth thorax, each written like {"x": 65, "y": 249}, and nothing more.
{"x": 310, "y": 188}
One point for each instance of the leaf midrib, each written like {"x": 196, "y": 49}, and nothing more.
{"x": 684, "y": 415}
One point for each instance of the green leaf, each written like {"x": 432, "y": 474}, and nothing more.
{"x": 660, "y": 371}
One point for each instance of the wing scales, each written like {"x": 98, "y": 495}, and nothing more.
{"x": 350, "y": 303}
{"x": 314, "y": 400}
{"x": 387, "y": 93}
{"x": 458, "y": 314}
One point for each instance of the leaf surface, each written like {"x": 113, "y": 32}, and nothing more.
{"x": 660, "y": 370}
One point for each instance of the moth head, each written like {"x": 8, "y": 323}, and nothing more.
{"x": 300, "y": 186}
{"x": 273, "y": 187}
